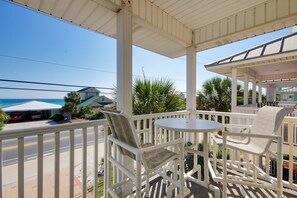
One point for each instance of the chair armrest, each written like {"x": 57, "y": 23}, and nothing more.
{"x": 132, "y": 149}
{"x": 158, "y": 146}
{"x": 252, "y": 135}
{"x": 237, "y": 126}
{"x": 135, "y": 150}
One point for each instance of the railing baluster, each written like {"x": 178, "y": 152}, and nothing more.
{"x": 84, "y": 163}
{"x": 40, "y": 166}
{"x": 71, "y": 163}
{"x": 151, "y": 130}
{"x": 57, "y": 164}
{"x": 291, "y": 149}
{"x": 20, "y": 167}
{"x": 95, "y": 176}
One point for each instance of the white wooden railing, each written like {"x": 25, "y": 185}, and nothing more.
{"x": 253, "y": 109}
{"x": 39, "y": 133}
{"x": 147, "y": 132}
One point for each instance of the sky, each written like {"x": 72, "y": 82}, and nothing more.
{"x": 37, "y": 47}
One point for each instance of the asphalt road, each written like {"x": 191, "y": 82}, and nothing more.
{"x": 10, "y": 149}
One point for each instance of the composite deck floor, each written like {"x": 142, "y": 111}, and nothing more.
{"x": 158, "y": 189}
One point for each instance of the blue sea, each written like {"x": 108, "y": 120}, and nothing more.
{"x": 9, "y": 102}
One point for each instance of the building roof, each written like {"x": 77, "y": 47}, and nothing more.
{"x": 89, "y": 101}
{"x": 273, "y": 61}
{"x": 168, "y": 27}
{"x": 32, "y": 106}
{"x": 93, "y": 99}
{"x": 86, "y": 88}
{"x": 283, "y": 44}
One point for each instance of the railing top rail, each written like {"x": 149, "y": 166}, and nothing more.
{"x": 25, "y": 132}
{"x": 154, "y": 115}
{"x": 231, "y": 114}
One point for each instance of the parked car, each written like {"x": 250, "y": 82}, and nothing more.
{"x": 16, "y": 116}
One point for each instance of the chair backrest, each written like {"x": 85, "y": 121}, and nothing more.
{"x": 267, "y": 121}
{"x": 122, "y": 129}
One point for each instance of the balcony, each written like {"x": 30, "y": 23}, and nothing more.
{"x": 69, "y": 170}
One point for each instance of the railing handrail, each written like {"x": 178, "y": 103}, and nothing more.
{"x": 238, "y": 115}
{"x": 153, "y": 115}
{"x": 24, "y": 132}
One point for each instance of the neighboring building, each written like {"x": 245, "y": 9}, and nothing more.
{"x": 88, "y": 92}
{"x": 91, "y": 97}
{"x": 182, "y": 95}
{"x": 31, "y": 110}
{"x": 289, "y": 94}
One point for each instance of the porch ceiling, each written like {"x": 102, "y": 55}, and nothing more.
{"x": 168, "y": 27}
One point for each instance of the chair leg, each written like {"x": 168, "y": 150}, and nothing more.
{"x": 138, "y": 176}
{"x": 181, "y": 169}
{"x": 279, "y": 167}
{"x": 224, "y": 150}
{"x": 147, "y": 186}
{"x": 215, "y": 152}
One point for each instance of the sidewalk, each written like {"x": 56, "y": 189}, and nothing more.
{"x": 10, "y": 188}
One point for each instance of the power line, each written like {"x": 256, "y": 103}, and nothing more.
{"x": 48, "y": 90}
{"x": 52, "y": 84}
{"x": 65, "y": 65}
{"x": 58, "y": 64}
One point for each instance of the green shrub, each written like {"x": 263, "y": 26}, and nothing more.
{"x": 84, "y": 112}
{"x": 57, "y": 117}
{"x": 95, "y": 116}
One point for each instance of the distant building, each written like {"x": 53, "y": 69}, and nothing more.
{"x": 91, "y": 97}
{"x": 31, "y": 110}
{"x": 182, "y": 95}
{"x": 288, "y": 94}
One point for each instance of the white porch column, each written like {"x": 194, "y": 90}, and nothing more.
{"x": 191, "y": 80}
{"x": 273, "y": 95}
{"x": 124, "y": 61}
{"x": 254, "y": 94}
{"x": 124, "y": 79}
{"x": 246, "y": 90}
{"x": 234, "y": 90}
{"x": 260, "y": 91}
{"x": 268, "y": 92}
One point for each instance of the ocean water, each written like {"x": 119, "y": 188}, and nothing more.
{"x": 9, "y": 102}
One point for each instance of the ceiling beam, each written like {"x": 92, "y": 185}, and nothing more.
{"x": 109, "y": 5}
{"x": 143, "y": 23}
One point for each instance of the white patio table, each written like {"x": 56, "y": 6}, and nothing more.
{"x": 194, "y": 126}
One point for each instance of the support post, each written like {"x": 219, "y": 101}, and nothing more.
{"x": 124, "y": 79}
{"x": 246, "y": 90}
{"x": 124, "y": 61}
{"x": 260, "y": 91}
{"x": 191, "y": 80}
{"x": 273, "y": 95}
{"x": 254, "y": 94}
{"x": 234, "y": 90}
{"x": 268, "y": 92}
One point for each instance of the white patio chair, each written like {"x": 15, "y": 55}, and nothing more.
{"x": 256, "y": 141}
{"x": 151, "y": 157}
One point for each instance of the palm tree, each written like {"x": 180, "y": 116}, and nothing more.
{"x": 216, "y": 95}
{"x": 155, "y": 96}
{"x": 3, "y": 118}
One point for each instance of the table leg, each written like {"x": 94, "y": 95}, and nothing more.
{"x": 205, "y": 158}
{"x": 196, "y": 148}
